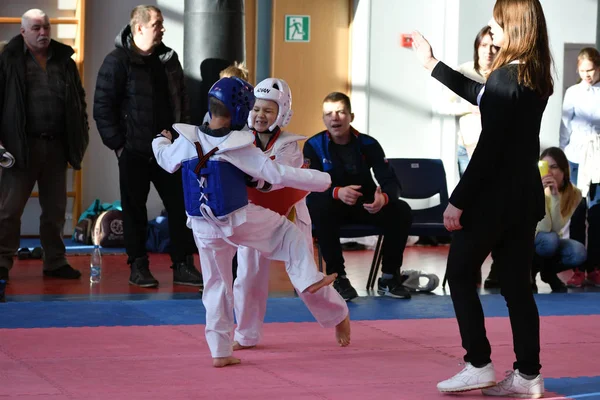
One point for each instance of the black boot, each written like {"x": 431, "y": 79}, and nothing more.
{"x": 185, "y": 273}
{"x": 547, "y": 270}
{"x": 141, "y": 275}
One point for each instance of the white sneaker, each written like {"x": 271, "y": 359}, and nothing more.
{"x": 514, "y": 385}
{"x": 470, "y": 378}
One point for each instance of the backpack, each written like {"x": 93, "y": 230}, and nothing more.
{"x": 108, "y": 229}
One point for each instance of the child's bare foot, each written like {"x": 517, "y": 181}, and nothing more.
{"x": 237, "y": 346}
{"x": 220, "y": 362}
{"x": 327, "y": 280}
{"x": 342, "y": 332}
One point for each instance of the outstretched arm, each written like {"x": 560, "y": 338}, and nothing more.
{"x": 454, "y": 80}
{"x": 255, "y": 163}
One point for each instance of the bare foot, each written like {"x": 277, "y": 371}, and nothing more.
{"x": 220, "y": 362}
{"x": 327, "y": 280}
{"x": 237, "y": 346}
{"x": 342, "y": 332}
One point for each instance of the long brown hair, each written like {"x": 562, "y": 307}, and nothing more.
{"x": 570, "y": 196}
{"x": 526, "y": 41}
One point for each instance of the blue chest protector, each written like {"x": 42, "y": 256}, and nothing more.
{"x": 218, "y": 184}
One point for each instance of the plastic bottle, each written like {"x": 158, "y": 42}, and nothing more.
{"x": 96, "y": 265}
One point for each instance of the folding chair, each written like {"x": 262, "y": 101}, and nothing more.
{"x": 422, "y": 179}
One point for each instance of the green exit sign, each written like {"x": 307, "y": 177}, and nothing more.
{"x": 297, "y": 28}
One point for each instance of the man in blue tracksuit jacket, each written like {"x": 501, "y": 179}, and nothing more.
{"x": 348, "y": 156}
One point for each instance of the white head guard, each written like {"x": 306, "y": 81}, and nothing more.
{"x": 276, "y": 90}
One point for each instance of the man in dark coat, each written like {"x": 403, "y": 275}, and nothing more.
{"x": 139, "y": 92}
{"x": 43, "y": 124}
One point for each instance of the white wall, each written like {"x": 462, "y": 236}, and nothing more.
{"x": 396, "y": 94}
{"x": 392, "y": 89}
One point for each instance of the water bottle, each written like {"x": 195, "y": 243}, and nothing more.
{"x": 96, "y": 265}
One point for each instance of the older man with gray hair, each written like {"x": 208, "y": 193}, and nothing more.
{"x": 43, "y": 124}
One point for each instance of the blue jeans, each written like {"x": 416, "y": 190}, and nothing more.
{"x": 463, "y": 160}
{"x": 572, "y": 253}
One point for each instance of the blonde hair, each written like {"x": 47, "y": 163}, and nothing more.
{"x": 2, "y": 44}
{"x": 140, "y": 15}
{"x": 237, "y": 70}
{"x": 590, "y": 54}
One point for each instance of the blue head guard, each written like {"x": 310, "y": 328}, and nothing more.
{"x": 238, "y": 97}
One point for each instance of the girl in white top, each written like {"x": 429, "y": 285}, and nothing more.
{"x": 580, "y": 140}
{"x": 484, "y": 53}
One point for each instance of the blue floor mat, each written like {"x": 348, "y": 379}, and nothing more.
{"x": 120, "y": 311}
{"x": 71, "y": 246}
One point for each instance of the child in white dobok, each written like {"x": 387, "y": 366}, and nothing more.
{"x": 216, "y": 161}
{"x": 271, "y": 112}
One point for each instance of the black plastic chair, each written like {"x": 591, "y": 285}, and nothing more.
{"x": 422, "y": 179}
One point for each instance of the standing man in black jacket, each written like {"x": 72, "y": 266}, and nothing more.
{"x": 43, "y": 123}
{"x": 139, "y": 92}
{"x": 348, "y": 157}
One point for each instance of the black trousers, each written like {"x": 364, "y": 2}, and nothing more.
{"x": 513, "y": 248}
{"x": 136, "y": 173}
{"x": 394, "y": 218}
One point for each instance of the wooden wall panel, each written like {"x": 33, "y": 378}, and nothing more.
{"x": 316, "y": 68}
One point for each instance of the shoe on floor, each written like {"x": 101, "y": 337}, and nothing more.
{"x": 577, "y": 280}
{"x": 141, "y": 275}
{"x": 64, "y": 272}
{"x": 514, "y": 385}
{"x": 344, "y": 288}
{"x": 393, "y": 288}
{"x": 470, "y": 378}
{"x": 186, "y": 274}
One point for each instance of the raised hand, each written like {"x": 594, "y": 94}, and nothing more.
{"x": 423, "y": 50}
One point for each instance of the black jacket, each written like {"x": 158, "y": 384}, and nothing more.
{"x": 13, "y": 112}
{"x": 317, "y": 155}
{"x": 123, "y": 102}
{"x": 502, "y": 180}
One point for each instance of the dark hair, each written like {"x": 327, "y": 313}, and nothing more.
{"x": 485, "y": 31}
{"x": 217, "y": 108}
{"x": 334, "y": 97}
{"x": 570, "y": 197}
{"x": 526, "y": 40}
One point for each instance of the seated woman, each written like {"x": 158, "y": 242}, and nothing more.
{"x": 562, "y": 198}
